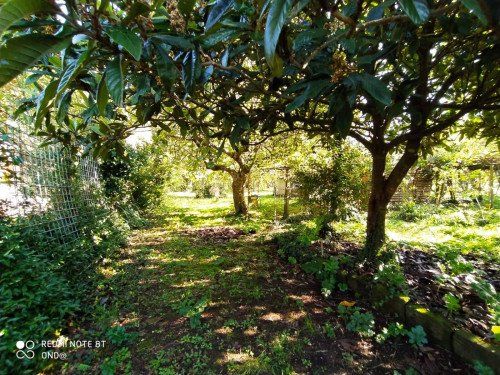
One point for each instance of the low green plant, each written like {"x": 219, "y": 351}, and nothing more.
{"x": 329, "y": 330}
{"x": 343, "y": 287}
{"x": 393, "y": 330}
{"x": 117, "y": 335}
{"x": 482, "y": 369}
{"x": 417, "y": 337}
{"x": 363, "y": 323}
{"x": 191, "y": 309}
{"x": 452, "y": 303}
{"x": 119, "y": 361}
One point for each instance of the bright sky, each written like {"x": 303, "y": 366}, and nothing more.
{"x": 140, "y": 136}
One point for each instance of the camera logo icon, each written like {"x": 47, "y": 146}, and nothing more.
{"x": 27, "y": 352}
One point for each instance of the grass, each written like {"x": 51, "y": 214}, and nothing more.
{"x": 196, "y": 305}
{"x": 463, "y": 229}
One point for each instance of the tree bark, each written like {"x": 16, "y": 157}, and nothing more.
{"x": 377, "y": 207}
{"x": 382, "y": 190}
{"x": 238, "y": 187}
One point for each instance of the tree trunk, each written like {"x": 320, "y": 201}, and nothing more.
{"x": 382, "y": 190}
{"x": 238, "y": 186}
{"x": 377, "y": 208}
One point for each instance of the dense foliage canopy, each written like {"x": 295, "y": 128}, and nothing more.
{"x": 396, "y": 76}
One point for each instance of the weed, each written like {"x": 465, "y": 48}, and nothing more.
{"x": 417, "y": 337}
{"x": 117, "y": 362}
{"x": 191, "y": 309}
{"x": 329, "y": 330}
{"x": 118, "y": 335}
{"x": 363, "y": 323}
{"x": 452, "y": 303}
{"x": 395, "y": 329}
{"x": 482, "y": 369}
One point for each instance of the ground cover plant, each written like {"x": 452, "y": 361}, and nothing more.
{"x": 204, "y": 292}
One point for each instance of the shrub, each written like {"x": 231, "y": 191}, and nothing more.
{"x": 336, "y": 181}
{"x": 35, "y": 297}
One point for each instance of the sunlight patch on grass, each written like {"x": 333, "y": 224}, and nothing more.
{"x": 238, "y": 357}
{"x": 272, "y": 317}
{"x": 191, "y": 283}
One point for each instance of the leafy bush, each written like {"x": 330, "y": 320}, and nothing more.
{"x": 35, "y": 297}
{"x": 44, "y": 283}
{"x": 410, "y": 211}
{"x": 336, "y": 181}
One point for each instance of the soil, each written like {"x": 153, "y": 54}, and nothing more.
{"x": 428, "y": 284}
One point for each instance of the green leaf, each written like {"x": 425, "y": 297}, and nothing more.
{"x": 96, "y": 130}
{"x": 417, "y": 10}
{"x": 63, "y": 106}
{"x": 343, "y": 120}
{"x": 129, "y": 40}
{"x": 218, "y": 10}
{"x": 473, "y": 5}
{"x": 191, "y": 70}
{"x": 102, "y": 96}
{"x": 221, "y": 35}
{"x": 71, "y": 71}
{"x": 114, "y": 80}
{"x": 15, "y": 10}
{"x": 174, "y": 41}
{"x": 44, "y": 102}
{"x": 312, "y": 90}
{"x": 18, "y": 54}
{"x": 164, "y": 64}
{"x": 278, "y": 13}
{"x": 376, "y": 88}
{"x": 186, "y": 6}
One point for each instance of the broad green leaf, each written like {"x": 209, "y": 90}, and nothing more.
{"x": 186, "y": 6}
{"x": 63, "y": 106}
{"x": 278, "y": 13}
{"x": 102, "y": 96}
{"x": 417, "y": 10}
{"x": 71, "y": 71}
{"x": 343, "y": 120}
{"x": 44, "y": 102}
{"x": 191, "y": 70}
{"x": 114, "y": 80}
{"x": 15, "y": 10}
{"x": 376, "y": 88}
{"x": 32, "y": 79}
{"x": 217, "y": 11}
{"x": 221, "y": 35}
{"x": 164, "y": 64}
{"x": 174, "y": 41}
{"x": 312, "y": 90}
{"x": 18, "y": 54}
{"x": 473, "y": 5}
{"x": 96, "y": 130}
{"x": 375, "y": 13}
{"x": 129, "y": 40}
{"x": 207, "y": 73}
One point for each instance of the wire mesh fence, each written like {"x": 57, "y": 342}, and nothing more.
{"x": 44, "y": 186}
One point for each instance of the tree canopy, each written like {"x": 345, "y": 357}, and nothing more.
{"x": 396, "y": 76}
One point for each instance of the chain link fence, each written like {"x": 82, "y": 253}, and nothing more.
{"x": 45, "y": 187}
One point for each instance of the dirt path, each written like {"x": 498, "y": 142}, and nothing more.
{"x": 262, "y": 316}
